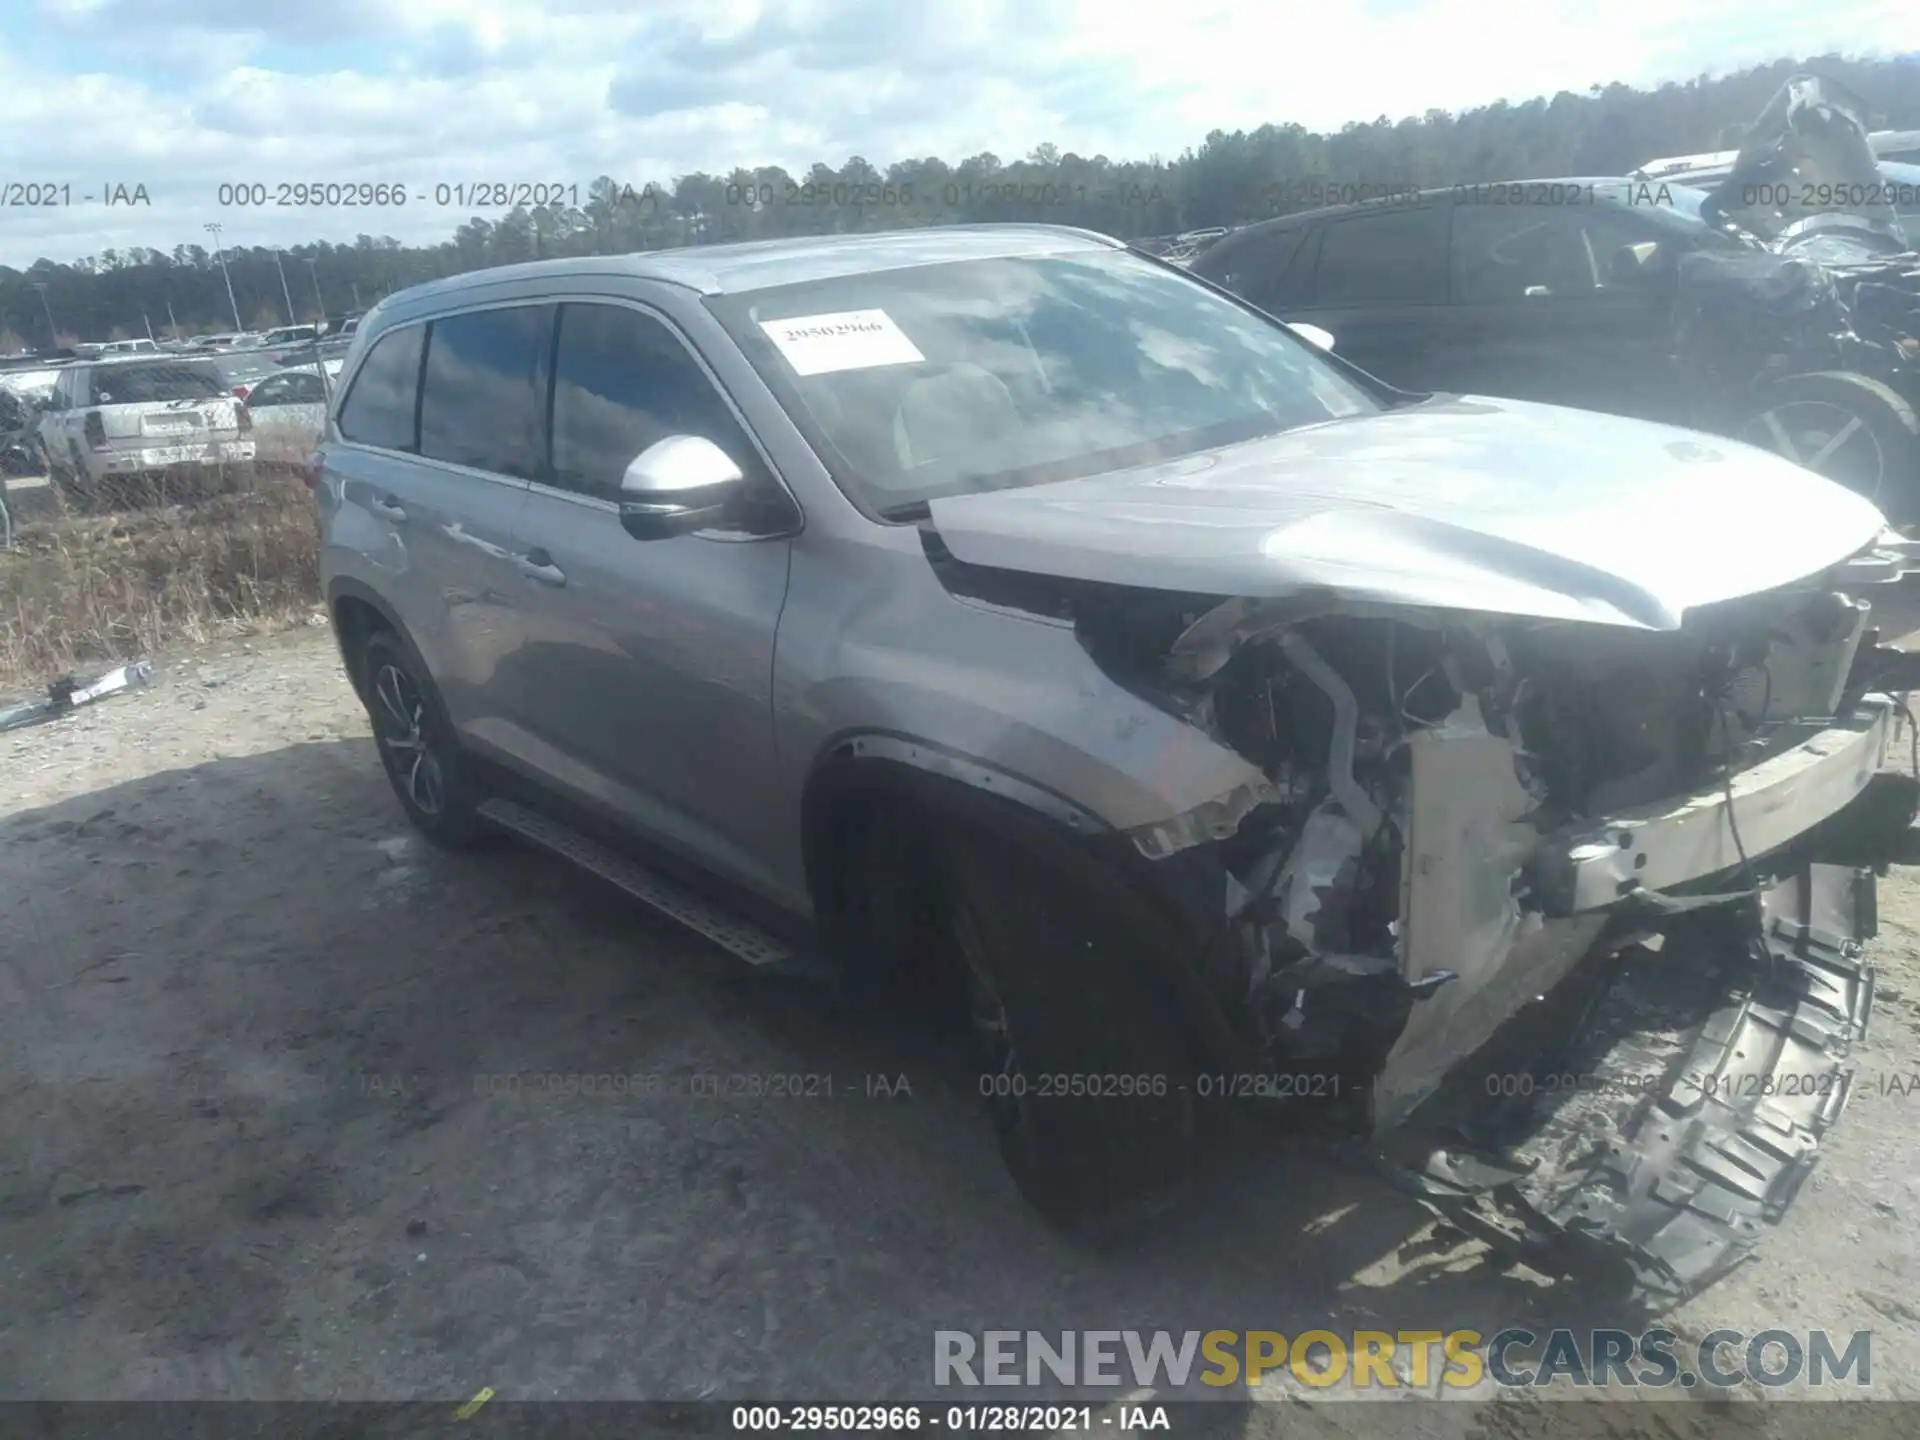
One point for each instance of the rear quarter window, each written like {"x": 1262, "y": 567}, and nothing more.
{"x": 381, "y": 407}
{"x": 1255, "y": 265}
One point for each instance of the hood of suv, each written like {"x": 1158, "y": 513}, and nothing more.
{"x": 1464, "y": 503}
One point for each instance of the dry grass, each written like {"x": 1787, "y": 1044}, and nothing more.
{"x": 92, "y": 590}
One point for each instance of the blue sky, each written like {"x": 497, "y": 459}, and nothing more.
{"x": 182, "y": 95}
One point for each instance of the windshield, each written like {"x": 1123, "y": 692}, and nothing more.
{"x": 164, "y": 380}
{"x": 938, "y": 380}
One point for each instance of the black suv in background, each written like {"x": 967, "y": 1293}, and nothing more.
{"x": 1552, "y": 290}
{"x": 1747, "y": 310}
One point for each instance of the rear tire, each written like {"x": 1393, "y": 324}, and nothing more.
{"x": 1085, "y": 1073}
{"x": 431, "y": 776}
{"x": 1853, "y": 429}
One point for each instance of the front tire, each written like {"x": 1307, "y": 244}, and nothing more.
{"x": 430, "y": 774}
{"x": 1084, "y": 1070}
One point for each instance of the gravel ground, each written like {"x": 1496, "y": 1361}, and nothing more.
{"x": 244, "y": 1152}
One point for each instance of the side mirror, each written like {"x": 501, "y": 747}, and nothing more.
{"x": 677, "y": 485}
{"x": 1312, "y": 334}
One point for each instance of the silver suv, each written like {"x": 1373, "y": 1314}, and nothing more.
{"x": 120, "y": 430}
{"x": 1014, "y": 621}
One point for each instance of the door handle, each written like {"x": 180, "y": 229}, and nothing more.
{"x": 388, "y": 508}
{"x": 538, "y": 565}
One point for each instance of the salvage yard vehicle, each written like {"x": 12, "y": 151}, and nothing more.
{"x": 135, "y": 429}
{"x": 242, "y": 371}
{"x": 1001, "y": 618}
{"x": 289, "y": 410}
{"x": 1781, "y": 307}
{"x": 1900, "y": 180}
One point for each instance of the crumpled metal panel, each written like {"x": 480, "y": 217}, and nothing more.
{"x": 1700, "y": 1104}
{"x": 1467, "y": 843}
{"x": 1478, "y": 504}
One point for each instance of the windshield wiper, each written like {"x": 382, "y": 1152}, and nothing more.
{"x": 907, "y": 510}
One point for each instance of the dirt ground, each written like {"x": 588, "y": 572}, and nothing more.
{"x": 244, "y": 1151}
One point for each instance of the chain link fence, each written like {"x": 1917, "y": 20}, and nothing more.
{"x": 75, "y": 487}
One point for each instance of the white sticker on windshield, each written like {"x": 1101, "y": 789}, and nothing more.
{"x": 848, "y": 340}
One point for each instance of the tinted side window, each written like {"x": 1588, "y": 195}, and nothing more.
{"x": 1505, "y": 253}
{"x": 621, "y": 381}
{"x": 1253, "y": 265}
{"x": 1260, "y": 269}
{"x": 379, "y": 410}
{"x": 303, "y": 389}
{"x": 1394, "y": 256}
{"x": 1289, "y": 284}
{"x": 478, "y": 405}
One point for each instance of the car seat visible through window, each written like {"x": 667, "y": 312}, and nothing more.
{"x": 944, "y": 416}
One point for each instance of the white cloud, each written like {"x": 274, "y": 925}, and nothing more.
{"x": 185, "y": 96}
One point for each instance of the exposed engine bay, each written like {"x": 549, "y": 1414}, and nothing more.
{"x": 1466, "y": 819}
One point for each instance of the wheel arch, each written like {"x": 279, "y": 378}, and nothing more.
{"x": 855, "y": 771}
{"x": 357, "y": 610}
{"x": 1896, "y": 403}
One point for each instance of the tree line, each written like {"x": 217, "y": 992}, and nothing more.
{"x": 1230, "y": 178}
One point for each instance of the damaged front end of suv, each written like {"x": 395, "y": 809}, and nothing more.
{"x": 1576, "y": 907}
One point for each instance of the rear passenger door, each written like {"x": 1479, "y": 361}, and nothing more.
{"x": 650, "y": 662}
{"x": 1377, "y": 279}
{"x": 444, "y": 435}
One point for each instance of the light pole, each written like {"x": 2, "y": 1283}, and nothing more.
{"x": 292, "y": 319}
{"x": 319, "y": 300}
{"x": 213, "y": 228}
{"x": 53, "y": 330}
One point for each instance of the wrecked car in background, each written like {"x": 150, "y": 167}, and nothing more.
{"x": 1830, "y": 305}
{"x": 1024, "y": 627}
{"x": 1782, "y": 307}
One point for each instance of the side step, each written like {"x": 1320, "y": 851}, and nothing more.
{"x": 736, "y": 936}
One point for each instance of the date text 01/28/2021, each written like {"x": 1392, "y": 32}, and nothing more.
{"x": 1208, "y": 1085}
{"x": 960, "y": 1419}
{"x": 459, "y": 194}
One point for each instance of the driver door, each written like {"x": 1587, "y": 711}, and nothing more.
{"x": 1571, "y": 305}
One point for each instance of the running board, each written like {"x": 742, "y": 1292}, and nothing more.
{"x": 738, "y": 937}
